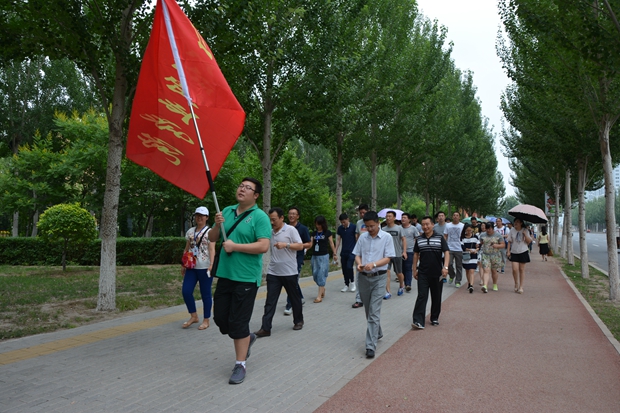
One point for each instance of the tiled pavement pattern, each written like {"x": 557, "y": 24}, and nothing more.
{"x": 148, "y": 363}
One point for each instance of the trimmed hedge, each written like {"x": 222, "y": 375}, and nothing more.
{"x": 129, "y": 251}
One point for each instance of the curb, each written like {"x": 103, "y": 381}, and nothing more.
{"x": 596, "y": 267}
{"x": 595, "y": 317}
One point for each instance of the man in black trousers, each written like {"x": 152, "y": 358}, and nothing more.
{"x": 282, "y": 271}
{"x": 430, "y": 269}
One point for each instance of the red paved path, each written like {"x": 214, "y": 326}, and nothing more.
{"x": 498, "y": 352}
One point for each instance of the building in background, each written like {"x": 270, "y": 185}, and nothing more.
{"x": 601, "y": 191}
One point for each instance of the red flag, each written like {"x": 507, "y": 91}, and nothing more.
{"x": 162, "y": 136}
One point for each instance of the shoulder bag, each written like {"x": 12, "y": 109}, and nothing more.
{"x": 216, "y": 259}
{"x": 189, "y": 259}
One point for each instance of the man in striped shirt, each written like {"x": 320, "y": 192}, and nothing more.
{"x": 430, "y": 269}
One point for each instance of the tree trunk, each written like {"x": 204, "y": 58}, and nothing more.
{"x": 583, "y": 245}
{"x": 266, "y": 161}
{"x": 568, "y": 219}
{"x": 106, "y": 301}
{"x": 610, "y": 216}
{"x": 339, "y": 150}
{"x": 399, "y": 199}
{"x": 556, "y": 221}
{"x": 35, "y": 220}
{"x": 64, "y": 255}
{"x": 148, "y": 233}
{"x": 373, "y": 180}
{"x": 15, "y": 231}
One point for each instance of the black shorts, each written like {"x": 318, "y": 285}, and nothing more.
{"x": 523, "y": 257}
{"x": 233, "y": 303}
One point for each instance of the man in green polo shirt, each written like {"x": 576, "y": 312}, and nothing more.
{"x": 240, "y": 269}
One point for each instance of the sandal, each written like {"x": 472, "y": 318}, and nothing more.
{"x": 204, "y": 325}
{"x": 317, "y": 300}
{"x": 189, "y": 323}
{"x": 520, "y": 291}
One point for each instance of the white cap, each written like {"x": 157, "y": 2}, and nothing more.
{"x": 202, "y": 211}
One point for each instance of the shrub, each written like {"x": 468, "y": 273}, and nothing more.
{"x": 67, "y": 223}
{"x": 129, "y": 251}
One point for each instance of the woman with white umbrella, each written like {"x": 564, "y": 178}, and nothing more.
{"x": 518, "y": 252}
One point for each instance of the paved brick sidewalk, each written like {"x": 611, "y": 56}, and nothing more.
{"x": 498, "y": 352}
{"x": 540, "y": 351}
{"x": 148, "y": 363}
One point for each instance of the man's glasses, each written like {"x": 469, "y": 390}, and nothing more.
{"x": 248, "y": 187}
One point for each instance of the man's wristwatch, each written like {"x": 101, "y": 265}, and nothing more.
{"x": 288, "y": 245}
{"x": 445, "y": 268}
{"x": 374, "y": 265}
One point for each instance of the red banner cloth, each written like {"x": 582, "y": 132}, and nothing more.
{"x": 162, "y": 136}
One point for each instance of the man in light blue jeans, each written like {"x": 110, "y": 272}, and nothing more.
{"x": 373, "y": 252}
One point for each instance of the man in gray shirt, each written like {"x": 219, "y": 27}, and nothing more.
{"x": 440, "y": 223}
{"x": 360, "y": 228}
{"x": 282, "y": 271}
{"x": 373, "y": 252}
{"x": 400, "y": 249}
{"x": 411, "y": 233}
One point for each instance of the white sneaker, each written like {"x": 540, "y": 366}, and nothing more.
{"x": 288, "y": 311}
{"x": 344, "y": 289}
{"x": 352, "y": 288}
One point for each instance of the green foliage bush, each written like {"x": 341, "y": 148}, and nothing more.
{"x": 129, "y": 251}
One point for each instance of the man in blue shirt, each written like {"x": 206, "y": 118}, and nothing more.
{"x": 346, "y": 238}
{"x": 373, "y": 252}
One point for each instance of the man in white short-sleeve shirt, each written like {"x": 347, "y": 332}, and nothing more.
{"x": 373, "y": 252}
{"x": 282, "y": 271}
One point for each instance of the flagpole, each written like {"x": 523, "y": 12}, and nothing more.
{"x": 207, "y": 170}
{"x": 182, "y": 79}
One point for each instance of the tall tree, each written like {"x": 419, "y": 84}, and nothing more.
{"x": 582, "y": 39}
{"x": 104, "y": 39}
{"x": 263, "y": 68}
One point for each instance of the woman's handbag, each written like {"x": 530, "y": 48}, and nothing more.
{"x": 189, "y": 260}
{"x": 466, "y": 256}
{"x": 550, "y": 253}
{"x": 216, "y": 259}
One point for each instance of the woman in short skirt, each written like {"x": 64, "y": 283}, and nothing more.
{"x": 518, "y": 252}
{"x": 543, "y": 243}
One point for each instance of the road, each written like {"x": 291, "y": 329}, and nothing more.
{"x": 597, "y": 248}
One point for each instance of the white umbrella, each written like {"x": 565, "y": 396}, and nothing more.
{"x": 529, "y": 213}
{"x": 384, "y": 211}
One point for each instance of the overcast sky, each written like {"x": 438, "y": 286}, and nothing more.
{"x": 472, "y": 27}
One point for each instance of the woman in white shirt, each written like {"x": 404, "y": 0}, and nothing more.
{"x": 518, "y": 252}
{"x": 203, "y": 250}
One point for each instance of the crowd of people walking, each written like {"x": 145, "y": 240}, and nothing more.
{"x": 433, "y": 252}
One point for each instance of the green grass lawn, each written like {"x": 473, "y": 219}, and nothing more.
{"x": 43, "y": 299}
{"x": 596, "y": 291}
